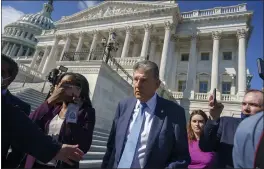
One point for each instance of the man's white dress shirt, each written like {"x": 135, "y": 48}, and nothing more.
{"x": 146, "y": 126}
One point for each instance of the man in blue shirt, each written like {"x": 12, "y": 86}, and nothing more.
{"x": 246, "y": 141}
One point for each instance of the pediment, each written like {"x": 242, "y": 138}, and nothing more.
{"x": 114, "y": 8}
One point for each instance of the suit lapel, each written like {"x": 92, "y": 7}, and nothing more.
{"x": 123, "y": 125}
{"x": 158, "y": 119}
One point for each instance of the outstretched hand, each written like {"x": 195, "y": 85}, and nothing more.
{"x": 215, "y": 109}
{"x": 68, "y": 153}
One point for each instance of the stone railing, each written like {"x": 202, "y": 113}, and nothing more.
{"x": 177, "y": 95}
{"x": 228, "y": 97}
{"x": 29, "y": 70}
{"x": 129, "y": 61}
{"x": 215, "y": 11}
{"x": 200, "y": 96}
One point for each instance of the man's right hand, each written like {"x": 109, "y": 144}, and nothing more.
{"x": 216, "y": 109}
{"x": 68, "y": 153}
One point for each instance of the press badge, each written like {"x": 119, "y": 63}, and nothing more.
{"x": 71, "y": 114}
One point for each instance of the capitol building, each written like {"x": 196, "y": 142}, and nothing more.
{"x": 196, "y": 51}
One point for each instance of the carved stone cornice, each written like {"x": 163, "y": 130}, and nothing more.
{"x": 242, "y": 33}
{"x": 148, "y": 27}
{"x": 168, "y": 25}
{"x": 216, "y": 35}
{"x": 174, "y": 38}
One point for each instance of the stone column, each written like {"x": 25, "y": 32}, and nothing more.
{"x": 135, "y": 48}
{"x": 14, "y": 32}
{"x": 233, "y": 85}
{"x": 80, "y": 42}
{"x": 13, "y": 49}
{"x": 153, "y": 46}
{"x": 27, "y": 52}
{"x": 20, "y": 52}
{"x": 35, "y": 57}
{"x": 242, "y": 75}
{"x": 18, "y": 31}
{"x": 46, "y": 52}
{"x": 191, "y": 75}
{"x": 46, "y": 67}
{"x": 66, "y": 46}
{"x": 215, "y": 59}
{"x": 127, "y": 42}
{"x": 164, "y": 56}
{"x": 6, "y": 48}
{"x": 93, "y": 45}
{"x": 173, "y": 63}
{"x": 145, "y": 44}
{"x": 22, "y": 34}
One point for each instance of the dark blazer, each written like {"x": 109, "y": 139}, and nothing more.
{"x": 218, "y": 136}
{"x": 21, "y": 133}
{"x": 167, "y": 144}
{"x": 25, "y": 107}
{"x": 15, "y": 157}
{"x": 80, "y": 133}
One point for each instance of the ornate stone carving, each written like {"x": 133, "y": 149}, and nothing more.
{"x": 216, "y": 35}
{"x": 168, "y": 25}
{"x": 174, "y": 38}
{"x": 147, "y": 27}
{"x": 129, "y": 29}
{"x": 81, "y": 33}
{"x": 111, "y": 30}
{"x": 194, "y": 36}
{"x": 95, "y": 32}
{"x": 110, "y": 11}
{"x": 241, "y": 33}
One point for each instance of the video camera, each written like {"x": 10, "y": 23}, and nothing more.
{"x": 260, "y": 63}
{"x": 55, "y": 73}
{"x": 53, "y": 78}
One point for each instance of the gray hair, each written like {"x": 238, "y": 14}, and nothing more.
{"x": 147, "y": 66}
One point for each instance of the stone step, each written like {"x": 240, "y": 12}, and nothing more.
{"x": 98, "y": 148}
{"x": 99, "y": 142}
{"x": 90, "y": 163}
{"x": 98, "y": 133}
{"x": 103, "y": 130}
{"x": 94, "y": 156}
{"x": 95, "y": 137}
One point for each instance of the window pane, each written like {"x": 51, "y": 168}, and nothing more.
{"x": 181, "y": 86}
{"x": 227, "y": 55}
{"x": 185, "y": 57}
{"x": 226, "y": 87}
{"x": 203, "y": 86}
{"x": 205, "y": 56}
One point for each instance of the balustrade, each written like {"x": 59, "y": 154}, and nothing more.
{"x": 214, "y": 11}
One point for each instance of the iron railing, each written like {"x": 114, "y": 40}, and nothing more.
{"x": 75, "y": 56}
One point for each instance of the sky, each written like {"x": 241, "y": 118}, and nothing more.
{"x": 12, "y": 10}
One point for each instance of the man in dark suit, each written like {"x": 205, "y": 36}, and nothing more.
{"x": 148, "y": 131}
{"x": 219, "y": 132}
{"x": 10, "y": 70}
{"x": 21, "y": 133}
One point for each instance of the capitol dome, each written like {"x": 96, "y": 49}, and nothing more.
{"x": 18, "y": 39}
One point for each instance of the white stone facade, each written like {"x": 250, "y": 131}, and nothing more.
{"x": 196, "y": 51}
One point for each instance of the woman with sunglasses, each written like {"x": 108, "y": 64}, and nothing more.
{"x": 68, "y": 116}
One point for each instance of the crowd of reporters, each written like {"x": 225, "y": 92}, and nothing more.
{"x": 147, "y": 132}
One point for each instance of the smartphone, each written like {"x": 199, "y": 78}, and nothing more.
{"x": 214, "y": 94}
{"x": 260, "y": 64}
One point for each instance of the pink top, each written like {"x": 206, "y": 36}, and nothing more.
{"x": 200, "y": 159}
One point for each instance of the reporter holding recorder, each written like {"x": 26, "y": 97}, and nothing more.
{"x": 67, "y": 115}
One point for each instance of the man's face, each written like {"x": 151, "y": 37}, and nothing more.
{"x": 252, "y": 103}
{"x": 5, "y": 73}
{"x": 145, "y": 85}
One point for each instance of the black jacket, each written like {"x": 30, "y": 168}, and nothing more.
{"x": 218, "y": 136}
{"x": 14, "y": 158}
{"x": 20, "y": 132}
